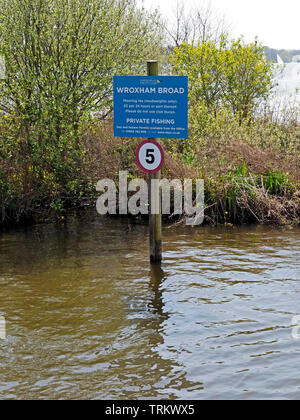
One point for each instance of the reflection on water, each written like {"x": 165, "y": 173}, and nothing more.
{"x": 87, "y": 317}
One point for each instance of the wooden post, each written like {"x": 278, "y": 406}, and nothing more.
{"x": 155, "y": 220}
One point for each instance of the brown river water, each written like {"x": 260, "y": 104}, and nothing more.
{"x": 87, "y": 318}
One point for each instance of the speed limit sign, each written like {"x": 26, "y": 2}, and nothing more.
{"x": 150, "y": 156}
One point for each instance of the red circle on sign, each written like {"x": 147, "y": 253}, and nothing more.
{"x": 161, "y": 158}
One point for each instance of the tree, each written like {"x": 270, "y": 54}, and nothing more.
{"x": 61, "y": 56}
{"x": 204, "y": 69}
{"x": 232, "y": 74}
{"x": 194, "y": 26}
{"x": 247, "y": 77}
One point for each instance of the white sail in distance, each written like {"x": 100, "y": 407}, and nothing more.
{"x": 279, "y": 60}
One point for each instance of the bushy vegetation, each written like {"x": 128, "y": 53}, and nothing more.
{"x": 60, "y": 59}
{"x": 56, "y": 137}
{"x": 231, "y": 75}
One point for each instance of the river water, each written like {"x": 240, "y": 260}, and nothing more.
{"x": 87, "y": 318}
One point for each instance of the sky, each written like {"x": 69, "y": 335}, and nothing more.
{"x": 276, "y": 23}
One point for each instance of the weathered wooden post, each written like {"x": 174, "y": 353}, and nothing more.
{"x": 155, "y": 220}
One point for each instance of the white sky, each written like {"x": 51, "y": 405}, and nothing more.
{"x": 276, "y": 23}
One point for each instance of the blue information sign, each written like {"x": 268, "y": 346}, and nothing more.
{"x": 151, "y": 106}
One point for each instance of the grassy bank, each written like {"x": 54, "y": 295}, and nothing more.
{"x": 251, "y": 172}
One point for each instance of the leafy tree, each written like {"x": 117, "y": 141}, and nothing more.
{"x": 204, "y": 69}
{"x": 60, "y": 57}
{"x": 232, "y": 74}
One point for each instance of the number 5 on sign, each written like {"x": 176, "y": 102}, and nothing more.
{"x": 150, "y": 156}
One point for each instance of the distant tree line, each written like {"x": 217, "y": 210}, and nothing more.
{"x": 285, "y": 55}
